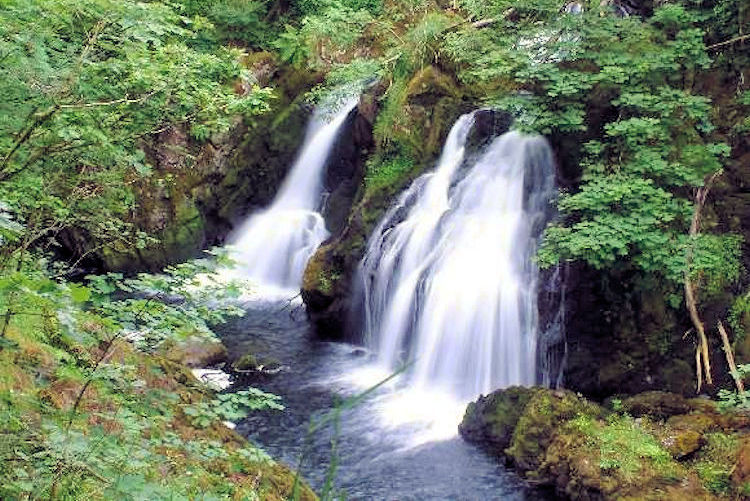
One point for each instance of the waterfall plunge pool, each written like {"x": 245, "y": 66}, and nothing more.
{"x": 393, "y": 446}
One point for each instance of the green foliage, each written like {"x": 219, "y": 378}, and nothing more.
{"x": 422, "y": 42}
{"x": 634, "y": 205}
{"x": 381, "y": 174}
{"x": 717, "y": 461}
{"x": 739, "y": 316}
{"x": 391, "y": 116}
{"x": 9, "y": 229}
{"x": 292, "y": 47}
{"x": 311, "y": 7}
{"x": 242, "y": 20}
{"x": 733, "y": 400}
{"x": 103, "y": 414}
{"x": 86, "y": 84}
{"x": 346, "y": 80}
{"x": 181, "y": 303}
{"x": 231, "y": 407}
{"x": 327, "y": 30}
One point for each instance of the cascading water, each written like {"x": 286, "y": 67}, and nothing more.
{"x": 448, "y": 277}
{"x": 273, "y": 246}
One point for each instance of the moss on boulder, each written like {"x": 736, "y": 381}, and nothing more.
{"x": 675, "y": 448}
{"x": 538, "y": 424}
{"x": 492, "y": 419}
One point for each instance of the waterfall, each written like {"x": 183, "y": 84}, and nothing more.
{"x": 273, "y": 246}
{"x": 449, "y": 280}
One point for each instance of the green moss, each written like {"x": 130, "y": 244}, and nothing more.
{"x": 627, "y": 446}
{"x": 186, "y": 232}
{"x": 387, "y": 172}
{"x": 246, "y": 362}
{"x": 492, "y": 419}
{"x": 542, "y": 416}
{"x": 716, "y": 462}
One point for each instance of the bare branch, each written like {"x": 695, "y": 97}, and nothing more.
{"x": 730, "y": 357}
{"x": 728, "y": 42}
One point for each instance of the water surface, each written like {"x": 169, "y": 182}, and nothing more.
{"x": 393, "y": 446}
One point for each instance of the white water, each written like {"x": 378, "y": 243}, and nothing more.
{"x": 273, "y": 246}
{"x": 449, "y": 281}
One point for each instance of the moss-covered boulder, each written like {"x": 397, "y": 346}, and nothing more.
{"x": 539, "y": 422}
{"x": 492, "y": 419}
{"x": 559, "y": 439}
{"x": 252, "y": 363}
{"x": 682, "y": 442}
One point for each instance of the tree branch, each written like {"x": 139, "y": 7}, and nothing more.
{"x": 728, "y": 42}
{"x": 730, "y": 357}
{"x": 702, "y": 355}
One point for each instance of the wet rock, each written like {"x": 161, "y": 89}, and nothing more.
{"x": 252, "y": 364}
{"x": 214, "y": 378}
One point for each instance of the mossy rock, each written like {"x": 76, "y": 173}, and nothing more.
{"x": 539, "y": 423}
{"x": 247, "y": 362}
{"x": 491, "y": 420}
{"x": 617, "y": 458}
{"x": 683, "y": 442}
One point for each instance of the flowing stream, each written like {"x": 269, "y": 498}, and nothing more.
{"x": 273, "y": 246}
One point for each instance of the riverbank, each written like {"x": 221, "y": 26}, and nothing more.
{"x": 101, "y": 420}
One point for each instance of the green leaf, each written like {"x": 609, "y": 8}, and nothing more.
{"x": 79, "y": 293}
